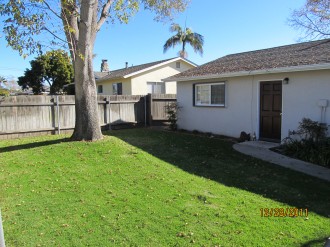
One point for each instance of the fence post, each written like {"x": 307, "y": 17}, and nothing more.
{"x": 58, "y": 116}
{"x": 107, "y": 110}
{"x": 150, "y": 109}
{"x": 145, "y": 111}
{"x": 2, "y": 235}
{"x": 110, "y": 113}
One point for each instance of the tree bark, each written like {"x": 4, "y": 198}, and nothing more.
{"x": 87, "y": 125}
{"x": 69, "y": 16}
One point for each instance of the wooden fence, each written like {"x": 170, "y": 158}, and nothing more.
{"x": 34, "y": 115}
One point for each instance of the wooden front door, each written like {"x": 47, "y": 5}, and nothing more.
{"x": 270, "y": 110}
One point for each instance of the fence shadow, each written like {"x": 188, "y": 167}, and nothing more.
{"x": 216, "y": 160}
{"x": 32, "y": 145}
{"x": 316, "y": 242}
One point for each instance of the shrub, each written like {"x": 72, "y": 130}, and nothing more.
{"x": 172, "y": 110}
{"x": 311, "y": 130}
{"x": 4, "y": 92}
{"x": 313, "y": 146}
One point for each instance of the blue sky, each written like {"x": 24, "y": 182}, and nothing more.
{"x": 227, "y": 26}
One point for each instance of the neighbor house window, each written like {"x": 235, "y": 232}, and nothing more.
{"x": 156, "y": 87}
{"x": 178, "y": 65}
{"x": 212, "y": 94}
{"x": 117, "y": 88}
{"x": 100, "y": 89}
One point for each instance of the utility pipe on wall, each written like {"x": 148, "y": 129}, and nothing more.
{"x": 323, "y": 103}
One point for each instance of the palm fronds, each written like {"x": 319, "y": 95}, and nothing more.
{"x": 186, "y": 36}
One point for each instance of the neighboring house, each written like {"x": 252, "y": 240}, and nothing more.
{"x": 104, "y": 70}
{"x": 141, "y": 79}
{"x": 70, "y": 88}
{"x": 266, "y": 92}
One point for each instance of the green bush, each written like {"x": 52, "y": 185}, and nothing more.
{"x": 310, "y": 151}
{"x": 4, "y": 92}
{"x": 312, "y": 146}
{"x": 172, "y": 114}
{"x": 311, "y": 130}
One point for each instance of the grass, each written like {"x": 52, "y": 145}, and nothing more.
{"x": 148, "y": 188}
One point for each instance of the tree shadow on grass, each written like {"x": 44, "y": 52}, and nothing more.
{"x": 32, "y": 145}
{"x": 215, "y": 159}
{"x": 316, "y": 242}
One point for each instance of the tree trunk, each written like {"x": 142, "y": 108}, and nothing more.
{"x": 183, "y": 52}
{"x": 87, "y": 125}
{"x": 87, "y": 117}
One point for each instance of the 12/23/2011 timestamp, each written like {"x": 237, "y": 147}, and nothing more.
{"x": 283, "y": 212}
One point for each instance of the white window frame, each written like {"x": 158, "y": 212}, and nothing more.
{"x": 157, "y": 83}
{"x": 196, "y": 103}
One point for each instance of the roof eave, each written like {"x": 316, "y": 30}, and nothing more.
{"x": 108, "y": 79}
{"x": 159, "y": 65}
{"x": 253, "y": 72}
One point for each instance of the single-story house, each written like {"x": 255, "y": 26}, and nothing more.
{"x": 141, "y": 79}
{"x": 266, "y": 92}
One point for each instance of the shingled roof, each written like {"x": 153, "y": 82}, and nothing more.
{"x": 99, "y": 75}
{"x": 127, "y": 72}
{"x": 289, "y": 56}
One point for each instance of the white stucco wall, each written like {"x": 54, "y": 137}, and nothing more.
{"x": 299, "y": 99}
{"x": 139, "y": 82}
{"x": 229, "y": 120}
{"x": 170, "y": 87}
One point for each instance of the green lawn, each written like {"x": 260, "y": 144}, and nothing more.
{"x": 149, "y": 188}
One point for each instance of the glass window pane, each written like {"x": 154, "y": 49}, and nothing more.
{"x": 114, "y": 89}
{"x": 198, "y": 95}
{"x": 218, "y": 94}
{"x": 205, "y": 94}
{"x": 162, "y": 91}
{"x": 210, "y": 94}
{"x": 119, "y": 88}
{"x": 157, "y": 89}
{"x": 202, "y": 94}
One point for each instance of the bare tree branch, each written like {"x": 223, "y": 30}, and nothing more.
{"x": 316, "y": 28}
{"x": 313, "y": 19}
{"x": 56, "y": 36}
{"x": 50, "y": 8}
{"x": 104, "y": 14}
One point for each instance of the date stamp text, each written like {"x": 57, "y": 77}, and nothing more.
{"x": 283, "y": 212}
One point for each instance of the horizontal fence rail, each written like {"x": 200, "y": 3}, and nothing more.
{"x": 31, "y": 115}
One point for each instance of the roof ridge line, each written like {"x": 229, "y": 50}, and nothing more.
{"x": 321, "y": 41}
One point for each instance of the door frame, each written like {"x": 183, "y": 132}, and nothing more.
{"x": 259, "y": 109}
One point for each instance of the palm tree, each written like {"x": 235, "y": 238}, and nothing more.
{"x": 184, "y": 36}
{"x": 2, "y": 80}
